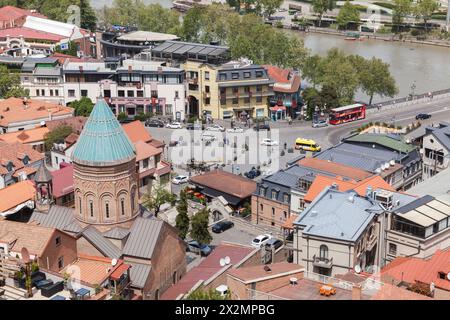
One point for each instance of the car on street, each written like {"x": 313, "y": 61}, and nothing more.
{"x": 423, "y": 116}
{"x": 320, "y": 123}
{"x": 180, "y": 179}
{"x": 208, "y": 137}
{"x": 253, "y": 173}
{"x": 154, "y": 123}
{"x": 222, "y": 226}
{"x": 269, "y": 142}
{"x": 273, "y": 243}
{"x": 216, "y": 127}
{"x": 264, "y": 126}
{"x": 199, "y": 248}
{"x": 174, "y": 125}
{"x": 194, "y": 126}
{"x": 235, "y": 130}
{"x": 261, "y": 240}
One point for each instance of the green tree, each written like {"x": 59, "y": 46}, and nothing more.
{"x": 348, "y": 13}
{"x": 321, "y": 7}
{"x": 424, "y": 9}
{"x": 400, "y": 10}
{"x": 72, "y": 51}
{"x": 83, "y": 107}
{"x": 269, "y": 7}
{"x": 154, "y": 17}
{"x": 192, "y": 24}
{"x": 122, "y": 116}
{"x": 10, "y": 84}
{"x": 156, "y": 197}
{"x": 199, "y": 227}
{"x": 211, "y": 294}
{"x": 311, "y": 99}
{"x": 182, "y": 219}
{"x": 312, "y": 69}
{"x": 376, "y": 78}
{"x": 56, "y": 135}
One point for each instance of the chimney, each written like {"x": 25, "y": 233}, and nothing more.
{"x": 369, "y": 192}
{"x": 356, "y": 292}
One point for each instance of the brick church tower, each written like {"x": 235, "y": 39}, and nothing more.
{"x": 105, "y": 178}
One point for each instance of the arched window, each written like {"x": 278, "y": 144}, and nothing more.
{"x": 122, "y": 206}
{"x": 107, "y": 209}
{"x": 323, "y": 251}
{"x": 79, "y": 202}
{"x": 91, "y": 208}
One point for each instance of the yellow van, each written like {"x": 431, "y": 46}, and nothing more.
{"x": 307, "y": 145}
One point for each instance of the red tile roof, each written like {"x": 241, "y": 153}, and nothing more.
{"x": 136, "y": 131}
{"x": 285, "y": 80}
{"x": 145, "y": 150}
{"x": 335, "y": 168}
{"x": 16, "y": 194}
{"x": 25, "y": 136}
{"x": 9, "y": 13}
{"x": 321, "y": 182}
{"x": 15, "y": 152}
{"x": 26, "y": 33}
{"x": 226, "y": 182}
{"x": 17, "y": 110}
{"x": 411, "y": 270}
{"x": 256, "y": 273}
{"x": 62, "y": 181}
{"x": 76, "y": 123}
{"x": 207, "y": 268}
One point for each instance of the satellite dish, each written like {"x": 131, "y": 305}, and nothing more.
{"x": 227, "y": 260}
{"x": 358, "y": 269}
{"x": 222, "y": 262}
{"x": 42, "y": 123}
{"x": 448, "y": 276}
{"x": 113, "y": 262}
{"x": 25, "y": 255}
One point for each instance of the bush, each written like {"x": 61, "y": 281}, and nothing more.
{"x": 122, "y": 116}
{"x": 279, "y": 24}
{"x": 142, "y": 116}
{"x": 416, "y": 32}
{"x": 385, "y": 5}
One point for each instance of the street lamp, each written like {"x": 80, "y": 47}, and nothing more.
{"x": 413, "y": 87}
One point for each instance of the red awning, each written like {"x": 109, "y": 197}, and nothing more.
{"x": 120, "y": 270}
{"x": 278, "y": 108}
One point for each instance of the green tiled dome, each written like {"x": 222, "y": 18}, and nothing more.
{"x": 103, "y": 141}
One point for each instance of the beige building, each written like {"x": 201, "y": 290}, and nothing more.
{"x": 234, "y": 89}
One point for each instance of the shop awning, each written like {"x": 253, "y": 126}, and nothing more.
{"x": 278, "y": 108}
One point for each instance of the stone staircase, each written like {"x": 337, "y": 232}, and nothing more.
{"x": 12, "y": 293}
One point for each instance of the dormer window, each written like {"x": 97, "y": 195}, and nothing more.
{"x": 262, "y": 191}
{"x": 26, "y": 160}
{"x": 274, "y": 194}
{"x": 9, "y": 166}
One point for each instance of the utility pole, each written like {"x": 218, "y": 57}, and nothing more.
{"x": 447, "y": 21}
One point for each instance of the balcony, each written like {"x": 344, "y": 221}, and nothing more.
{"x": 322, "y": 262}
{"x": 371, "y": 242}
{"x": 192, "y": 80}
{"x": 131, "y": 100}
{"x": 247, "y": 95}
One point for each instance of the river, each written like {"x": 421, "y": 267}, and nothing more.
{"x": 428, "y": 67}
{"x": 424, "y": 66}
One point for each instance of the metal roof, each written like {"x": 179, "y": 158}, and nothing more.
{"x": 41, "y": 71}
{"x": 442, "y": 133}
{"x": 179, "y": 47}
{"x": 143, "y": 237}
{"x": 436, "y": 186}
{"x": 103, "y": 140}
{"x": 338, "y": 215}
{"x": 61, "y": 218}
{"x": 385, "y": 140}
{"x": 102, "y": 244}
{"x": 147, "y": 36}
{"x": 117, "y": 233}
{"x": 139, "y": 274}
{"x": 425, "y": 211}
{"x": 42, "y": 174}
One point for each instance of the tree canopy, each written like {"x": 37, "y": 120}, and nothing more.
{"x": 348, "y": 13}
{"x": 199, "y": 227}
{"x": 56, "y": 135}
{"x": 182, "y": 219}
{"x": 424, "y": 9}
{"x": 321, "y": 7}
{"x": 156, "y": 197}
{"x": 83, "y": 107}
{"x": 10, "y": 84}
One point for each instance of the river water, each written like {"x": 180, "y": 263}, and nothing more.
{"x": 423, "y": 66}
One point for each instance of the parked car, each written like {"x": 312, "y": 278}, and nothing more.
{"x": 180, "y": 179}
{"x": 154, "y": 123}
{"x": 174, "y": 125}
{"x": 253, "y": 173}
{"x": 235, "y": 130}
{"x": 320, "y": 123}
{"x": 269, "y": 142}
{"x": 264, "y": 126}
{"x": 216, "y": 127}
{"x": 208, "y": 137}
{"x": 222, "y": 226}
{"x": 202, "y": 249}
{"x": 273, "y": 243}
{"x": 423, "y": 116}
{"x": 261, "y": 240}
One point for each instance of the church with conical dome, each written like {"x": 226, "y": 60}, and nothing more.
{"x": 105, "y": 178}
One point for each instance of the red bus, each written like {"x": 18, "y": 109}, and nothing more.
{"x": 348, "y": 113}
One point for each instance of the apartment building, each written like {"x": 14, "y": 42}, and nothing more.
{"x": 436, "y": 149}
{"x": 396, "y": 161}
{"x": 131, "y": 86}
{"x": 337, "y": 232}
{"x": 217, "y": 87}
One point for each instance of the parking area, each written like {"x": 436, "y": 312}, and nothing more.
{"x": 235, "y": 235}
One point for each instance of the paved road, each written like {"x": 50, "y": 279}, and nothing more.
{"x": 331, "y": 135}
